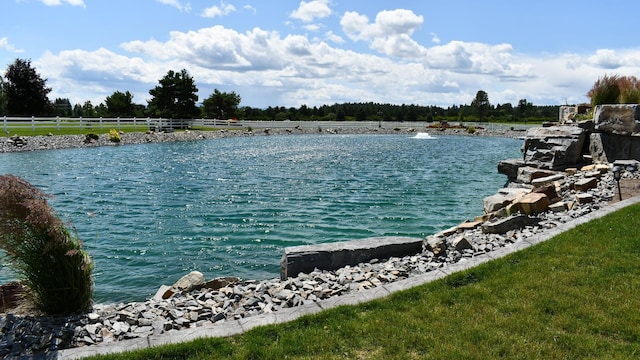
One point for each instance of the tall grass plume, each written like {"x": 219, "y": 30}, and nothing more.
{"x": 615, "y": 89}
{"x": 43, "y": 253}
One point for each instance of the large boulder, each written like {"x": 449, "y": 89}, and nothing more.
{"x": 617, "y": 119}
{"x": 554, "y": 147}
{"x": 189, "y": 281}
{"x": 528, "y": 174}
{"x": 510, "y": 168}
{"x": 607, "y": 147}
{"x": 501, "y": 199}
{"x": 533, "y": 203}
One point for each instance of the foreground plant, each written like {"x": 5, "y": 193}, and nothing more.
{"x": 39, "y": 248}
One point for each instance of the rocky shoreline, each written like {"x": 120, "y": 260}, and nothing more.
{"x": 18, "y": 143}
{"x": 231, "y": 299}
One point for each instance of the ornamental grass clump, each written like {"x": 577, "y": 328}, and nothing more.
{"x": 114, "y": 136}
{"x": 47, "y": 258}
{"x": 615, "y": 89}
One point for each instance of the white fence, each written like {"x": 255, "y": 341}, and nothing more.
{"x": 12, "y": 125}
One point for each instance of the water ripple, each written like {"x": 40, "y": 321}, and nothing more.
{"x": 150, "y": 213}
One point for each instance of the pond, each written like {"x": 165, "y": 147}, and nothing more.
{"x": 149, "y": 214}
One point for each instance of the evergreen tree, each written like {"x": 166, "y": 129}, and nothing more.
{"x": 481, "y": 104}
{"x": 3, "y": 98}
{"x": 120, "y": 104}
{"x": 26, "y": 92}
{"x": 62, "y": 107}
{"x": 221, "y": 105}
{"x": 175, "y": 97}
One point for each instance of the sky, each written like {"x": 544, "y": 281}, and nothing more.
{"x": 315, "y": 52}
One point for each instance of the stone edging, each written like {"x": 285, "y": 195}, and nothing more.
{"x": 235, "y": 327}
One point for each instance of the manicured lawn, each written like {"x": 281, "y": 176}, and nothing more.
{"x": 94, "y": 129}
{"x": 576, "y": 296}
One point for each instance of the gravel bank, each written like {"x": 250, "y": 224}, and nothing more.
{"x": 33, "y": 143}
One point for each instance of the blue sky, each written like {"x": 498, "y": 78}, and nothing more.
{"x": 314, "y": 52}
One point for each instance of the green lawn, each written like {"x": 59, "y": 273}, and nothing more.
{"x": 576, "y": 296}
{"x": 94, "y": 129}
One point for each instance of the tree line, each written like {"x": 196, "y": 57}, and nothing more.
{"x": 23, "y": 92}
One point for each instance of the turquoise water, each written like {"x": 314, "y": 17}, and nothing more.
{"x": 149, "y": 214}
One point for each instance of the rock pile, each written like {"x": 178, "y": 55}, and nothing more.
{"x": 92, "y": 140}
{"x": 525, "y": 209}
{"x": 17, "y": 141}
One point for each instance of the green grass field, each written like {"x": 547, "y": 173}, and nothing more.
{"x": 575, "y": 296}
{"x": 86, "y": 129}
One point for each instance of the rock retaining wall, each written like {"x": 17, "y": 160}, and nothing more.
{"x": 613, "y": 134}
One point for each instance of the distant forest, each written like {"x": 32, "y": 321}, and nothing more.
{"x": 523, "y": 112}
{"x": 389, "y": 112}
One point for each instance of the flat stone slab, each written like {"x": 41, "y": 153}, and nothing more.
{"x": 533, "y": 203}
{"x": 621, "y": 119}
{"x": 527, "y": 174}
{"x": 628, "y": 164}
{"x": 584, "y": 198}
{"x": 585, "y": 184}
{"x": 546, "y": 180}
{"x": 513, "y": 222}
{"x": 501, "y": 199}
{"x": 333, "y": 256}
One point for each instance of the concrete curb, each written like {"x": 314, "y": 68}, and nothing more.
{"x": 235, "y": 327}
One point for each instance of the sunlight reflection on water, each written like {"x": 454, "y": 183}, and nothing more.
{"x": 150, "y": 213}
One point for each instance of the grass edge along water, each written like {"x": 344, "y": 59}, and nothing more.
{"x": 573, "y": 296}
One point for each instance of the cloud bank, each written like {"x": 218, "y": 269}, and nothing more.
{"x": 397, "y": 62}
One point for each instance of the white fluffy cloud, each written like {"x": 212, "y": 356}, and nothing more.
{"x": 329, "y": 35}
{"x": 60, "y": 2}
{"x": 222, "y": 10}
{"x": 6, "y": 45}
{"x": 185, "y": 7}
{"x": 309, "y": 11}
{"x": 389, "y": 34}
{"x": 387, "y": 23}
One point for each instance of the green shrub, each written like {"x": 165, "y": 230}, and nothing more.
{"x": 630, "y": 96}
{"x": 38, "y": 247}
{"x": 91, "y": 138}
{"x": 471, "y": 129}
{"x": 615, "y": 89}
{"x": 114, "y": 136}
